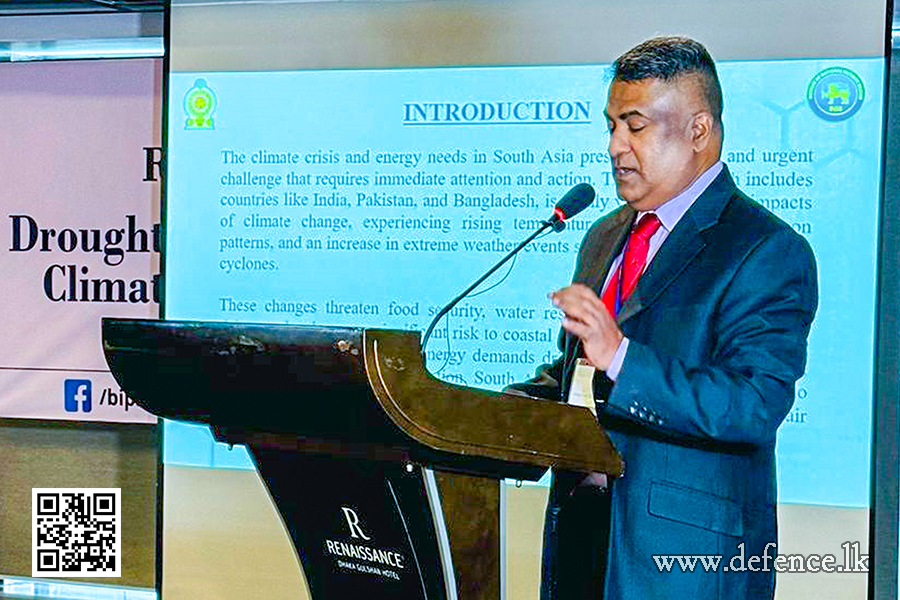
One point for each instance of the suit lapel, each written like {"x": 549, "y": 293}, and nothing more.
{"x": 681, "y": 247}
{"x": 611, "y": 237}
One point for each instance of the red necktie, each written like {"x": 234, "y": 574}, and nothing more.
{"x": 633, "y": 262}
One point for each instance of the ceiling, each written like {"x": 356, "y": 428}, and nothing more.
{"x": 77, "y": 6}
{"x": 60, "y": 7}
{"x": 46, "y": 7}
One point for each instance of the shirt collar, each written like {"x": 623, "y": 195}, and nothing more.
{"x": 672, "y": 210}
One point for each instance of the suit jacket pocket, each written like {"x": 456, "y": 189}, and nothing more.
{"x": 695, "y": 507}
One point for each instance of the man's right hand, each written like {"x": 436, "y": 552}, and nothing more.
{"x": 589, "y": 320}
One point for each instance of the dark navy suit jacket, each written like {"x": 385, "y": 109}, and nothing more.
{"x": 717, "y": 330}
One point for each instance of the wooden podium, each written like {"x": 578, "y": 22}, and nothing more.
{"x": 385, "y": 477}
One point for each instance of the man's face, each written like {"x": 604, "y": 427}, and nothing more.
{"x": 651, "y": 139}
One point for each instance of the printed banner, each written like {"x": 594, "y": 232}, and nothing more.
{"x": 80, "y": 230}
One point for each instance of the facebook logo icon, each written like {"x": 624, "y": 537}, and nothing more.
{"x": 78, "y": 395}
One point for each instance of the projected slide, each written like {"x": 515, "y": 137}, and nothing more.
{"x": 371, "y": 197}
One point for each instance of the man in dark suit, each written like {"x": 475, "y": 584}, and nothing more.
{"x": 692, "y": 305}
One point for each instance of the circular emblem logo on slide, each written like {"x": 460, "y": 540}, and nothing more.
{"x": 835, "y": 94}
{"x": 199, "y": 104}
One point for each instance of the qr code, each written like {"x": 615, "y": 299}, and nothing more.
{"x": 76, "y": 532}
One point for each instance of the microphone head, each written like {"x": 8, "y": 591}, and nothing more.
{"x": 576, "y": 200}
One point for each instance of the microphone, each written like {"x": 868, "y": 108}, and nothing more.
{"x": 573, "y": 202}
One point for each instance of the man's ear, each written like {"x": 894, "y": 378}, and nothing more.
{"x": 702, "y": 130}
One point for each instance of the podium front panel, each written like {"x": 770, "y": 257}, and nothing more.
{"x": 361, "y": 529}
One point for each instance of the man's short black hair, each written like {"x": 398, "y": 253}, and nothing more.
{"x": 668, "y": 58}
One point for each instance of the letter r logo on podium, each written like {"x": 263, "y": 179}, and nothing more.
{"x": 353, "y": 523}
{"x": 77, "y": 395}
